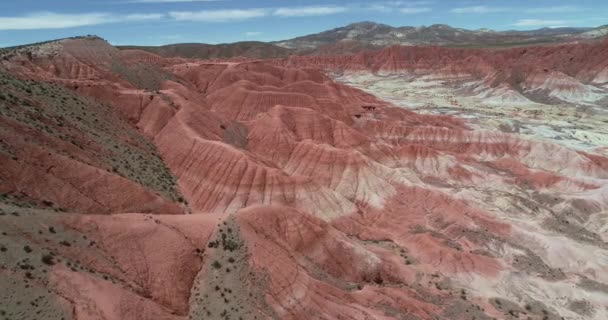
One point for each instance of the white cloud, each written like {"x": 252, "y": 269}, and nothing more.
{"x": 218, "y": 15}
{"x": 50, "y": 20}
{"x": 406, "y": 3}
{"x": 414, "y": 10}
{"x": 479, "y": 9}
{"x": 170, "y": 1}
{"x": 541, "y": 23}
{"x": 382, "y": 8}
{"x": 406, "y": 7}
{"x": 308, "y": 11}
{"x": 558, "y": 9}
{"x": 253, "y": 33}
{"x": 417, "y": 3}
{"x": 489, "y": 9}
{"x": 143, "y": 16}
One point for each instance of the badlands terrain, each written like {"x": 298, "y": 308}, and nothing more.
{"x": 395, "y": 183}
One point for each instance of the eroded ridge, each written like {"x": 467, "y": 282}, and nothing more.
{"x": 296, "y": 197}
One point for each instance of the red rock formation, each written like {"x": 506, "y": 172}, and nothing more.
{"x": 568, "y": 72}
{"x": 311, "y": 199}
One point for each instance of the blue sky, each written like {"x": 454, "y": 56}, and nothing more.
{"x": 157, "y": 22}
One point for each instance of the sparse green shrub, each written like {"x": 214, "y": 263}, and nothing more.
{"x": 48, "y": 259}
{"x": 230, "y": 244}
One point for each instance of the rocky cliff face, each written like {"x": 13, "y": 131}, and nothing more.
{"x": 296, "y": 197}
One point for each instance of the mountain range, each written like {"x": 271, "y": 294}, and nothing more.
{"x": 362, "y": 36}
{"x": 382, "y": 35}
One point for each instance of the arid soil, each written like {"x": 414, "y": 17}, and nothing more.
{"x": 141, "y": 187}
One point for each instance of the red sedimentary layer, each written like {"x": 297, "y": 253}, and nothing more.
{"x": 337, "y": 195}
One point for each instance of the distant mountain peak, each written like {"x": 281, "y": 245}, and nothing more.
{"x": 369, "y": 33}
{"x": 441, "y": 26}
{"x": 366, "y": 24}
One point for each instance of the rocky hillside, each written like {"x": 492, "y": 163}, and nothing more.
{"x": 67, "y": 152}
{"x": 249, "y": 49}
{"x": 309, "y": 199}
{"x": 381, "y": 35}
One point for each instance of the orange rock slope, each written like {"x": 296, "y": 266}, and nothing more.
{"x": 297, "y": 198}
